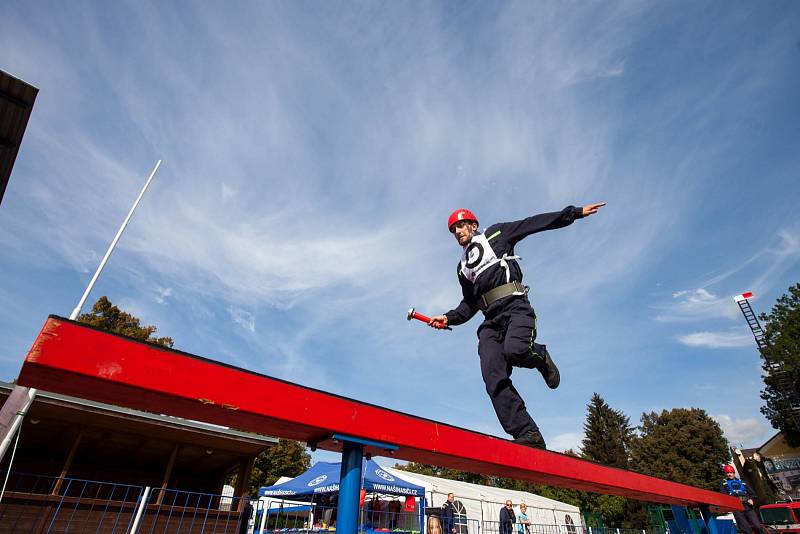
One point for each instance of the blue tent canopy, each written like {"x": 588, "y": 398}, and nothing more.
{"x": 323, "y": 477}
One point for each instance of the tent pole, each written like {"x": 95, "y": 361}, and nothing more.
{"x": 422, "y": 523}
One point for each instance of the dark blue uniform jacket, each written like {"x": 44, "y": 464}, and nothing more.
{"x": 502, "y": 237}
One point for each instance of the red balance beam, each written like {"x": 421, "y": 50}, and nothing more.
{"x": 74, "y": 359}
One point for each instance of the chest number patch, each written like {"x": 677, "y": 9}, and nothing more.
{"x": 477, "y": 257}
{"x": 474, "y": 255}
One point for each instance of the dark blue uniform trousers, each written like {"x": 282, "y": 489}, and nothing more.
{"x": 748, "y": 521}
{"x": 506, "y": 340}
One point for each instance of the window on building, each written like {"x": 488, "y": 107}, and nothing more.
{"x": 570, "y": 524}
{"x": 460, "y": 517}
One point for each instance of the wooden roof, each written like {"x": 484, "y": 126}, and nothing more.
{"x": 16, "y": 103}
{"x": 127, "y": 446}
{"x": 76, "y": 411}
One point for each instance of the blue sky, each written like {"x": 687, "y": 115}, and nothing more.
{"x": 313, "y": 151}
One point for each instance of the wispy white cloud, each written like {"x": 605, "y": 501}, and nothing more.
{"x": 243, "y": 318}
{"x": 781, "y": 254}
{"x": 764, "y": 267}
{"x": 717, "y": 340}
{"x": 228, "y": 192}
{"x": 697, "y": 304}
{"x": 244, "y": 249}
{"x": 747, "y": 432}
{"x": 309, "y": 163}
{"x": 162, "y": 294}
{"x": 248, "y": 252}
{"x": 565, "y": 441}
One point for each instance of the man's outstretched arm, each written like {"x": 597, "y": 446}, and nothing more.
{"x": 517, "y": 230}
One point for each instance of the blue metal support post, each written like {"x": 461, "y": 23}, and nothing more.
{"x": 349, "y": 488}
{"x": 350, "y": 480}
{"x": 711, "y": 523}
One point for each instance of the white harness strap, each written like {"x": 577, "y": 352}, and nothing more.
{"x": 479, "y": 256}
{"x": 504, "y": 265}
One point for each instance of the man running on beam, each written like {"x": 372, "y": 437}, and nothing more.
{"x": 491, "y": 281}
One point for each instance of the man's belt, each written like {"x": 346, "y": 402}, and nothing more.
{"x": 493, "y": 295}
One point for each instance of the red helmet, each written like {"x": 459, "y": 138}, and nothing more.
{"x": 461, "y": 214}
{"x": 729, "y": 469}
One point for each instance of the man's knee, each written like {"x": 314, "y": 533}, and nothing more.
{"x": 521, "y": 353}
{"x": 516, "y": 348}
{"x": 493, "y": 387}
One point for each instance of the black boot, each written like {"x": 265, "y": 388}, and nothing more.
{"x": 549, "y": 371}
{"x": 531, "y": 438}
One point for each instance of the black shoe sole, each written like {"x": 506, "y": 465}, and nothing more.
{"x": 531, "y": 442}
{"x": 540, "y": 446}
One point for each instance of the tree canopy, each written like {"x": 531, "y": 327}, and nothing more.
{"x": 286, "y": 459}
{"x": 607, "y": 438}
{"x": 106, "y": 316}
{"x": 781, "y": 391}
{"x": 448, "y": 473}
{"x": 682, "y": 445}
{"x": 607, "y": 434}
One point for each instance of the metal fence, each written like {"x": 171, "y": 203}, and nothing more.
{"x": 34, "y": 504}
{"x": 313, "y": 518}
{"x": 494, "y": 527}
{"x": 295, "y": 517}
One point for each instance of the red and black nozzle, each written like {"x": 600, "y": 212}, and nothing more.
{"x": 425, "y": 319}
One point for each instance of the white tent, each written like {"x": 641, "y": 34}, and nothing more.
{"x": 265, "y": 505}
{"x": 483, "y": 503}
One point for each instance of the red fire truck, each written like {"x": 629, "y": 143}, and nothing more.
{"x": 782, "y": 516}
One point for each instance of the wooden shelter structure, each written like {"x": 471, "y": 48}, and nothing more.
{"x": 16, "y": 104}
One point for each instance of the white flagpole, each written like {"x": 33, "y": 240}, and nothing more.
{"x": 77, "y": 310}
{"x": 21, "y": 398}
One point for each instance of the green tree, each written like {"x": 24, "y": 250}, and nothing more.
{"x": 682, "y": 445}
{"x": 575, "y": 497}
{"x": 106, "y": 316}
{"x": 286, "y": 459}
{"x": 782, "y": 388}
{"x": 448, "y": 473}
{"x": 607, "y": 438}
{"x": 607, "y": 434}
{"x": 609, "y": 508}
{"x": 602, "y": 424}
